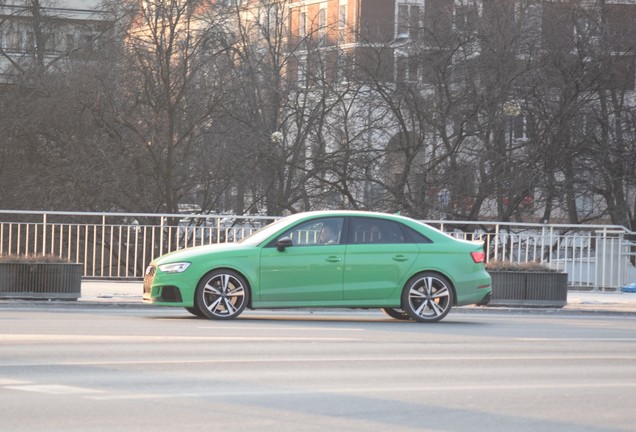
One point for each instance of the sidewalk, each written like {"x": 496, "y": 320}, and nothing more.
{"x": 601, "y": 301}
{"x": 582, "y": 301}
{"x": 112, "y": 291}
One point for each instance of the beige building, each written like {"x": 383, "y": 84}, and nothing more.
{"x": 42, "y": 34}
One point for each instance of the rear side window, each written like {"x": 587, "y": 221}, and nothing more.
{"x": 375, "y": 231}
{"x": 414, "y": 236}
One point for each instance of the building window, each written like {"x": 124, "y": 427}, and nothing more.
{"x": 586, "y": 30}
{"x": 70, "y": 42}
{"x": 466, "y": 15}
{"x": 302, "y": 25}
{"x": 322, "y": 25}
{"x": 87, "y": 44}
{"x": 402, "y": 25}
{"x": 49, "y": 43}
{"x": 13, "y": 39}
{"x": 406, "y": 68}
{"x": 30, "y": 42}
{"x": 301, "y": 79}
{"x": 342, "y": 21}
{"x": 341, "y": 66}
{"x": 408, "y": 21}
{"x": 519, "y": 127}
{"x": 401, "y": 68}
{"x": 585, "y": 204}
{"x": 590, "y": 125}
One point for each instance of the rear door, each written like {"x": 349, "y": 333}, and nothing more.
{"x": 378, "y": 258}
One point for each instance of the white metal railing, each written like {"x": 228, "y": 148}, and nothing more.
{"x": 116, "y": 245}
{"x": 594, "y": 256}
{"x": 120, "y": 245}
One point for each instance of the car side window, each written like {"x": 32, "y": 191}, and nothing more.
{"x": 325, "y": 231}
{"x": 414, "y": 236}
{"x": 375, "y": 231}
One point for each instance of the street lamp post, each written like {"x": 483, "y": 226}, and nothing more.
{"x": 510, "y": 110}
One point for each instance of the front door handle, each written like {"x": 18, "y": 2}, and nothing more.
{"x": 333, "y": 259}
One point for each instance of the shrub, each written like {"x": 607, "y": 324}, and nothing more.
{"x": 510, "y": 266}
{"x": 47, "y": 259}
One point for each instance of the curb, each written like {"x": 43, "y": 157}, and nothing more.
{"x": 565, "y": 311}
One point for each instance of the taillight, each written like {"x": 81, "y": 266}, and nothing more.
{"x": 478, "y": 257}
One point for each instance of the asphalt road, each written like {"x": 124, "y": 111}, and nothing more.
{"x": 87, "y": 369}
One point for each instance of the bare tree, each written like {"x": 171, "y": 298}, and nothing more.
{"x": 157, "y": 103}
{"x": 280, "y": 99}
{"x": 42, "y": 113}
{"x": 614, "y": 145}
{"x": 583, "y": 111}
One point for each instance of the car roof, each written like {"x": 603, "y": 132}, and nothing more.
{"x": 319, "y": 213}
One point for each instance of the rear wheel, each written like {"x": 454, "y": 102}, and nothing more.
{"x": 398, "y": 314}
{"x": 222, "y": 294}
{"x": 427, "y": 297}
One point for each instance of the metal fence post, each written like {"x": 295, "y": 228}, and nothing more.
{"x": 161, "y": 228}
{"x": 43, "y": 235}
{"x": 496, "y": 243}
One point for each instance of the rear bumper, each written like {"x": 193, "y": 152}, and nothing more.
{"x": 475, "y": 289}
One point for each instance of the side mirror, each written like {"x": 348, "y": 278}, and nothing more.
{"x": 284, "y": 242}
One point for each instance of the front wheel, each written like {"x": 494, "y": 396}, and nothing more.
{"x": 427, "y": 297}
{"x": 222, "y": 294}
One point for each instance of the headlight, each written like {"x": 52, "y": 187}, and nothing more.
{"x": 174, "y": 267}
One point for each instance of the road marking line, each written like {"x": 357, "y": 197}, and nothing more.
{"x": 9, "y": 382}
{"x": 577, "y": 339}
{"x": 126, "y": 338}
{"x": 364, "y": 390}
{"x": 221, "y": 327}
{"x": 53, "y": 389}
{"x": 330, "y": 360}
{"x": 138, "y": 396}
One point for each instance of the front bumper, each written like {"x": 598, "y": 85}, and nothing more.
{"x": 158, "y": 290}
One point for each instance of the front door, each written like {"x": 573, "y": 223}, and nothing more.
{"x": 308, "y": 272}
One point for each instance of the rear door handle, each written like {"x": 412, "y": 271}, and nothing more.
{"x": 333, "y": 259}
{"x": 400, "y": 258}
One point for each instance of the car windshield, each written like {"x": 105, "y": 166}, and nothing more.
{"x": 264, "y": 233}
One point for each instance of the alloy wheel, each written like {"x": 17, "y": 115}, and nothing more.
{"x": 223, "y": 294}
{"x": 427, "y": 297}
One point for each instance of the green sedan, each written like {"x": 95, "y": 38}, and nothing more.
{"x": 326, "y": 259}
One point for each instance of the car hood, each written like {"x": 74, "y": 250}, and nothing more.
{"x": 198, "y": 251}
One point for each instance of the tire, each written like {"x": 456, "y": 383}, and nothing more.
{"x": 195, "y": 311}
{"x": 427, "y": 297}
{"x": 222, "y": 294}
{"x": 398, "y": 314}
